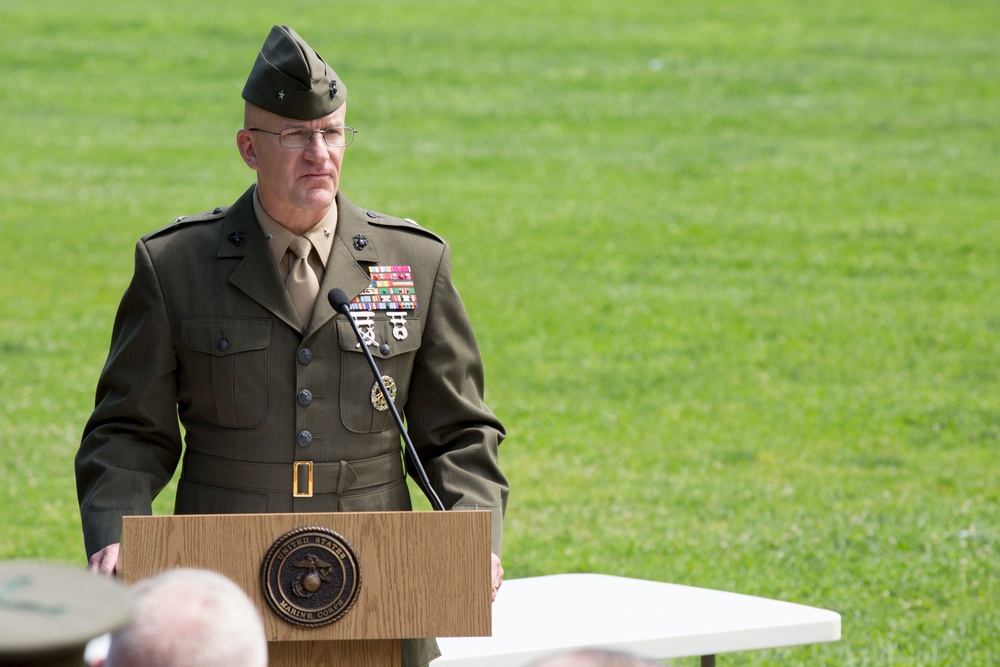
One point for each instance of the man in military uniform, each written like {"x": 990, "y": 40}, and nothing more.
{"x": 226, "y": 324}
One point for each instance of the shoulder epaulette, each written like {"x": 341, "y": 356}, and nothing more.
{"x": 206, "y": 216}
{"x": 406, "y": 223}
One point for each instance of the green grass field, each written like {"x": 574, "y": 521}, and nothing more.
{"x": 734, "y": 266}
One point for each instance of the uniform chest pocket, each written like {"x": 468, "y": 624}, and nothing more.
{"x": 226, "y": 365}
{"x": 393, "y": 346}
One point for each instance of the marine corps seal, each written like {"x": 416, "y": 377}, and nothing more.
{"x": 311, "y": 576}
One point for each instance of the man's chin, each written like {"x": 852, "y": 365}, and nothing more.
{"x": 318, "y": 198}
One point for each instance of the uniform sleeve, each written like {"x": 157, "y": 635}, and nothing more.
{"x": 131, "y": 444}
{"x": 456, "y": 435}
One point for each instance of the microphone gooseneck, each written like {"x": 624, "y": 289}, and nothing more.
{"x": 341, "y": 304}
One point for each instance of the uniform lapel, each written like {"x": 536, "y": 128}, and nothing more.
{"x": 256, "y": 275}
{"x": 344, "y": 268}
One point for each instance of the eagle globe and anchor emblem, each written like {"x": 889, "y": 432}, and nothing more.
{"x": 311, "y": 576}
{"x": 317, "y": 573}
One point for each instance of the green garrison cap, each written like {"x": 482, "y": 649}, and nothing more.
{"x": 48, "y": 613}
{"x": 290, "y": 79}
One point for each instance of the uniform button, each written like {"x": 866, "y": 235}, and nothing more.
{"x": 223, "y": 345}
{"x": 371, "y": 214}
{"x": 384, "y": 349}
{"x": 305, "y": 397}
{"x": 304, "y": 439}
{"x": 218, "y": 210}
{"x": 305, "y": 356}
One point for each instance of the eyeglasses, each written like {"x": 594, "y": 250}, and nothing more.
{"x": 299, "y": 137}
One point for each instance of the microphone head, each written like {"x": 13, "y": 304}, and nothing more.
{"x": 338, "y": 299}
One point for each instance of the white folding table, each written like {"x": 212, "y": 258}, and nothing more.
{"x": 540, "y": 616}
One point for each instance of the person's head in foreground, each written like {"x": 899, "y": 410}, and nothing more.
{"x": 595, "y": 657}
{"x": 190, "y": 618}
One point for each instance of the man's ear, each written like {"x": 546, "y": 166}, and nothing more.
{"x": 245, "y": 142}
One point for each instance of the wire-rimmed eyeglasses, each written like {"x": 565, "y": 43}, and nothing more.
{"x": 299, "y": 137}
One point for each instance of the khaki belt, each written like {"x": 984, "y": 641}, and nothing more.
{"x": 302, "y": 478}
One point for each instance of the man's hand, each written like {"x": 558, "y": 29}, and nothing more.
{"x": 496, "y": 571}
{"x": 105, "y": 561}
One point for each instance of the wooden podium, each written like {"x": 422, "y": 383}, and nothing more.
{"x": 422, "y": 574}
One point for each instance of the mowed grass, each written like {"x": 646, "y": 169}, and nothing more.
{"x": 733, "y": 267}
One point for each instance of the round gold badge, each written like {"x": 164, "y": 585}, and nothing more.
{"x": 311, "y": 576}
{"x": 378, "y": 400}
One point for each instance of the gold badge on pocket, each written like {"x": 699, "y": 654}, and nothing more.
{"x": 378, "y": 400}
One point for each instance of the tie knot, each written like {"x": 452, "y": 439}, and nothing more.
{"x": 301, "y": 247}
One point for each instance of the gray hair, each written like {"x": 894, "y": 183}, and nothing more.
{"x": 190, "y": 618}
{"x": 595, "y": 657}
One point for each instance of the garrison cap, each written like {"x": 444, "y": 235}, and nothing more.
{"x": 290, "y": 79}
{"x": 49, "y": 613}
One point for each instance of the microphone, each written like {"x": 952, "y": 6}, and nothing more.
{"x": 338, "y": 299}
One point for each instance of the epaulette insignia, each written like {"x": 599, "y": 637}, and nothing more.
{"x": 215, "y": 214}
{"x": 407, "y": 223}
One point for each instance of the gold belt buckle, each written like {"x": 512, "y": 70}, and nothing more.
{"x": 295, "y": 479}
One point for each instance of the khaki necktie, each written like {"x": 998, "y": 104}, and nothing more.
{"x": 302, "y": 283}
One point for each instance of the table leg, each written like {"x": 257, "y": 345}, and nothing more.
{"x": 708, "y": 661}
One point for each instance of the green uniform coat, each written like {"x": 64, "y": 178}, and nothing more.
{"x": 206, "y": 331}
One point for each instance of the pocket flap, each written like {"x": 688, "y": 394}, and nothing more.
{"x": 398, "y": 342}
{"x": 221, "y": 336}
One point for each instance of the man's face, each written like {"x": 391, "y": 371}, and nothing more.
{"x": 294, "y": 184}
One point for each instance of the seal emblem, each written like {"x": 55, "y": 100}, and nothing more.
{"x": 311, "y": 576}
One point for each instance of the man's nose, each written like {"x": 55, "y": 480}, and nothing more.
{"x": 317, "y": 145}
